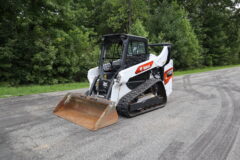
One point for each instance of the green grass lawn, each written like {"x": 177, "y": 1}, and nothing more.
{"x": 6, "y": 91}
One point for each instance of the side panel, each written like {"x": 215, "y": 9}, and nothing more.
{"x": 144, "y": 66}
{"x": 125, "y": 75}
{"x": 168, "y": 77}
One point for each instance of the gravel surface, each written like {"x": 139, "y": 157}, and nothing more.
{"x": 200, "y": 121}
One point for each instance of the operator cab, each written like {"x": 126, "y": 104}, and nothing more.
{"x": 120, "y": 51}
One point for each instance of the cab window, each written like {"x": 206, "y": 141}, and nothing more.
{"x": 136, "y": 48}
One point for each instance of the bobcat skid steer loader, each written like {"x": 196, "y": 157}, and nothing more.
{"x": 128, "y": 81}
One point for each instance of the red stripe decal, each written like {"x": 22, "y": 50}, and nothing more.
{"x": 144, "y": 67}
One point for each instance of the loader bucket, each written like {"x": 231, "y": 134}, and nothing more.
{"x": 89, "y": 112}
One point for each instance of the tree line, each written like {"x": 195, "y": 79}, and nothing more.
{"x": 57, "y": 41}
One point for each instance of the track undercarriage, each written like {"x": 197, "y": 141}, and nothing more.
{"x": 146, "y": 97}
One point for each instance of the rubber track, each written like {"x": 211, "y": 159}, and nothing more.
{"x": 124, "y": 102}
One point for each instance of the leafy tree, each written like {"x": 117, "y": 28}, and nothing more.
{"x": 117, "y": 16}
{"x": 55, "y": 41}
{"x": 138, "y": 29}
{"x": 47, "y": 44}
{"x": 170, "y": 23}
{"x": 216, "y": 25}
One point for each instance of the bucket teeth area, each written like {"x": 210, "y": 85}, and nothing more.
{"x": 89, "y": 112}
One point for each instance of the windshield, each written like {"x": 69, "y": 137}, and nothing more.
{"x": 113, "y": 50}
{"x": 112, "y": 53}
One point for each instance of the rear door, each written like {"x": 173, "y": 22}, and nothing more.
{"x": 168, "y": 77}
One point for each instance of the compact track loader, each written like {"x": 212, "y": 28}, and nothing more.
{"x": 128, "y": 81}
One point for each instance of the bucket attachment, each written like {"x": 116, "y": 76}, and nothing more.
{"x": 90, "y": 112}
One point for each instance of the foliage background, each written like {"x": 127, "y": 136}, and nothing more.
{"x": 57, "y": 41}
